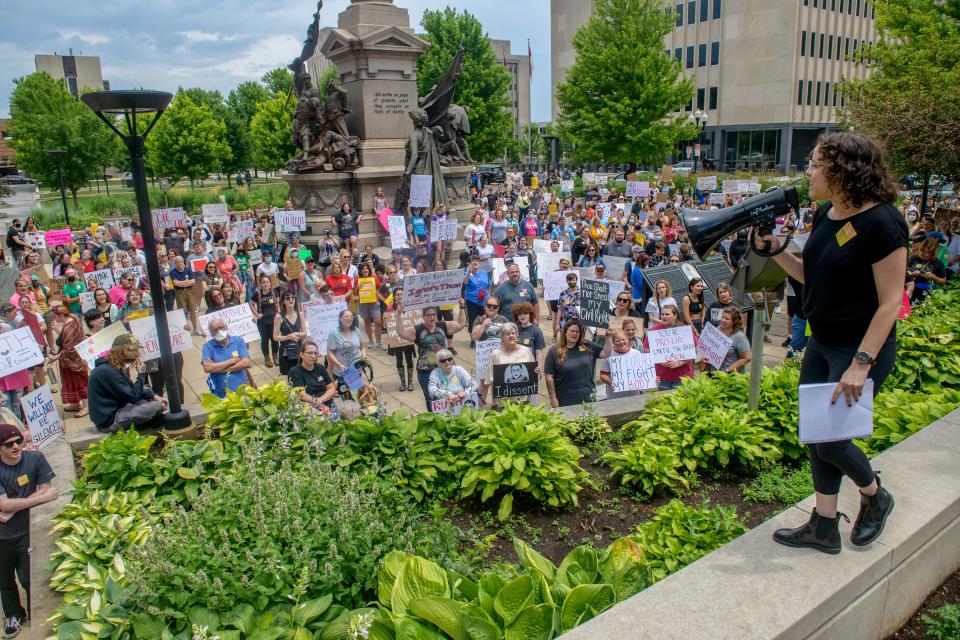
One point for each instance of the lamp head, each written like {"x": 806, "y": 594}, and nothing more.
{"x": 127, "y": 103}
{"x": 56, "y": 154}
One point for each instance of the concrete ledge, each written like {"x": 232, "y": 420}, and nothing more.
{"x": 618, "y": 411}
{"x": 80, "y": 440}
{"x": 43, "y": 599}
{"x": 755, "y": 588}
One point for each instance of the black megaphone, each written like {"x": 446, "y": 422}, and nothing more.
{"x": 706, "y": 228}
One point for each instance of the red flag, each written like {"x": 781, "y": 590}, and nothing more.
{"x": 530, "y": 58}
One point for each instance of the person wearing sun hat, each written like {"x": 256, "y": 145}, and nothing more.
{"x": 117, "y": 383}
{"x": 25, "y": 481}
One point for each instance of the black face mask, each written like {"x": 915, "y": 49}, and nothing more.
{"x": 71, "y": 278}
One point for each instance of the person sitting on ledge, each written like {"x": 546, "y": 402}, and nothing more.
{"x": 122, "y": 400}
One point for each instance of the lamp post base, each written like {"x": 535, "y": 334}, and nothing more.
{"x": 178, "y": 420}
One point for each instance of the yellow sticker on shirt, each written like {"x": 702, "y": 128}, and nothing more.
{"x": 846, "y": 234}
{"x": 23, "y": 480}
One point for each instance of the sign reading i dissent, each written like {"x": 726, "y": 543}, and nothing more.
{"x": 516, "y": 380}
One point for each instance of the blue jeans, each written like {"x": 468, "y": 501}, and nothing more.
{"x": 12, "y": 401}
{"x": 798, "y": 337}
{"x": 423, "y": 377}
{"x": 668, "y": 384}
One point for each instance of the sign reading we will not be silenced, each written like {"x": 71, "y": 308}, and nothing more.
{"x": 436, "y": 289}
{"x": 594, "y": 303}
{"x": 43, "y": 419}
{"x": 675, "y": 343}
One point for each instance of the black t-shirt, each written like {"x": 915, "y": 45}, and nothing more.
{"x": 267, "y": 303}
{"x": 428, "y": 343}
{"x": 531, "y": 337}
{"x": 314, "y": 382}
{"x": 917, "y": 264}
{"x": 21, "y": 481}
{"x": 574, "y": 379}
{"x": 839, "y": 293}
{"x": 12, "y": 233}
{"x": 347, "y": 223}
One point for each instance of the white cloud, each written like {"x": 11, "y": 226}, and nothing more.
{"x": 89, "y": 38}
{"x": 196, "y": 35}
{"x": 261, "y": 56}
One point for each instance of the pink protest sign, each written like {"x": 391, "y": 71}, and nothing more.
{"x": 58, "y": 236}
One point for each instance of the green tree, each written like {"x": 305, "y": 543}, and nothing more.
{"x": 910, "y": 102}
{"x": 620, "y": 100}
{"x": 237, "y": 130}
{"x": 270, "y": 128}
{"x": 188, "y": 142}
{"x": 278, "y": 81}
{"x": 244, "y": 99}
{"x": 45, "y": 116}
{"x": 483, "y": 83}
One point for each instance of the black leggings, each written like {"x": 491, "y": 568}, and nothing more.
{"x": 267, "y": 343}
{"x": 157, "y": 381}
{"x": 830, "y": 461}
{"x": 400, "y": 352}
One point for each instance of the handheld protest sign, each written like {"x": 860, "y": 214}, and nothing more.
{"x": 594, "y": 303}
{"x": 515, "y": 380}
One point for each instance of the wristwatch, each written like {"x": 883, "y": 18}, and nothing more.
{"x": 862, "y": 357}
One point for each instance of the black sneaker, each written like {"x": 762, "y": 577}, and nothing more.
{"x": 452, "y": 350}
{"x": 786, "y": 342}
{"x": 12, "y": 627}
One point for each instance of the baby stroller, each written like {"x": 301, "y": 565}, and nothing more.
{"x": 358, "y": 395}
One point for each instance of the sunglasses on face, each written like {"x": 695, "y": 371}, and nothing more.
{"x": 310, "y": 353}
{"x": 446, "y": 360}
{"x": 493, "y": 306}
{"x": 10, "y": 444}
{"x": 623, "y": 300}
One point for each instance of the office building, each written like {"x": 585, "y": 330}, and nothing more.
{"x": 76, "y": 72}
{"x": 7, "y": 165}
{"x": 766, "y": 71}
{"x": 519, "y": 91}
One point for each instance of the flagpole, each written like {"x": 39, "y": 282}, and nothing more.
{"x": 530, "y": 124}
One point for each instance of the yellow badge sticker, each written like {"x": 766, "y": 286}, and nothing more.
{"x": 846, "y": 234}
{"x": 23, "y": 480}
{"x": 235, "y": 354}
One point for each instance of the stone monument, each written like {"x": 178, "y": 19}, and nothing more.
{"x": 375, "y": 52}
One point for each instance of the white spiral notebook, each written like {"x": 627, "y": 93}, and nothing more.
{"x": 821, "y": 421}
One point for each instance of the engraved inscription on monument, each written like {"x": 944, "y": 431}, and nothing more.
{"x": 391, "y": 103}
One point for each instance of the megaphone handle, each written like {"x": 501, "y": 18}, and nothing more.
{"x": 766, "y": 252}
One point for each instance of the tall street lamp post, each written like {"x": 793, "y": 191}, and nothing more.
{"x": 130, "y": 105}
{"x": 699, "y": 120}
{"x": 57, "y": 155}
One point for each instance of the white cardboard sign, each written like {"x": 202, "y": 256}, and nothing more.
{"x": 555, "y": 282}
{"x": 322, "y": 318}
{"x": 239, "y": 321}
{"x": 485, "y": 349}
{"x": 632, "y": 373}
{"x": 217, "y": 213}
{"x": 713, "y": 345}
{"x": 398, "y": 232}
{"x": 435, "y": 289}
{"x": 443, "y": 230}
{"x": 145, "y": 330}
{"x": 18, "y": 351}
{"x": 43, "y": 419}
{"x": 421, "y": 191}
{"x": 672, "y": 344}
{"x": 288, "y": 221}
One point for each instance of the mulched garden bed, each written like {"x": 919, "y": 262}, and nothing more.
{"x": 947, "y": 593}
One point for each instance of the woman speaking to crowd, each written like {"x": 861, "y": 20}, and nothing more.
{"x": 859, "y": 236}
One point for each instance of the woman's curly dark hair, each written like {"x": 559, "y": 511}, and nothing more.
{"x": 854, "y": 165}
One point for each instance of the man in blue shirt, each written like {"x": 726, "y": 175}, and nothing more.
{"x": 562, "y": 232}
{"x": 225, "y": 358}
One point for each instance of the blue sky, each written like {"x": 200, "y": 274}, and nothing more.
{"x": 164, "y": 44}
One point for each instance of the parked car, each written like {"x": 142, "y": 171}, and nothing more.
{"x": 492, "y": 173}
{"x": 682, "y": 168}
{"x": 16, "y": 179}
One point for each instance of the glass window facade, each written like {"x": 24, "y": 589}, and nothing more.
{"x": 752, "y": 149}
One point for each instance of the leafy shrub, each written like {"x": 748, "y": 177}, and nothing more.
{"x": 779, "y": 484}
{"x": 119, "y": 461}
{"x": 589, "y": 429}
{"x": 677, "y": 535}
{"x": 898, "y": 414}
{"x": 521, "y": 449}
{"x": 272, "y": 531}
{"x": 944, "y": 624}
{"x": 928, "y": 345}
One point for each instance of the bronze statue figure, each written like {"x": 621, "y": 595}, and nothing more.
{"x": 421, "y": 158}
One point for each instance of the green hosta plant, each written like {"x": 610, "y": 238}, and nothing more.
{"x": 677, "y": 535}
{"x": 589, "y": 429}
{"x": 521, "y": 449}
{"x": 898, "y": 414}
{"x": 648, "y": 468}
{"x": 122, "y": 461}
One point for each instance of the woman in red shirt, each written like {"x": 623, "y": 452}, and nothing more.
{"x": 671, "y": 371}
{"x": 340, "y": 283}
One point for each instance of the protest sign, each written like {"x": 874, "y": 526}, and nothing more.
{"x": 99, "y": 343}
{"x": 500, "y": 267}
{"x": 87, "y": 301}
{"x": 421, "y": 190}
{"x": 516, "y": 380}
{"x": 534, "y": 182}
{"x": 407, "y": 320}
{"x": 169, "y": 218}
{"x": 288, "y": 221}
{"x": 673, "y": 249}
{"x": 753, "y": 187}
{"x": 554, "y": 282}
{"x": 239, "y": 320}
{"x": 43, "y": 419}
{"x": 37, "y": 270}
{"x": 398, "y": 232}
{"x": 55, "y": 288}
{"x": 666, "y": 173}
{"x": 322, "y": 318}
{"x": 543, "y": 246}
{"x": 594, "y": 303}
{"x": 615, "y": 265}
{"x": 713, "y": 345}
{"x": 601, "y": 179}
{"x": 137, "y": 273}
{"x": 36, "y": 240}
{"x": 547, "y": 262}
{"x": 256, "y": 256}
{"x": 57, "y": 236}
{"x": 18, "y": 351}
{"x": 104, "y": 278}
{"x": 672, "y": 344}
{"x": 354, "y": 381}
{"x": 616, "y": 287}
{"x": 145, "y": 330}
{"x": 589, "y": 178}
{"x": 436, "y": 289}
{"x": 443, "y": 230}
{"x": 454, "y": 405}
{"x": 294, "y": 265}
{"x": 126, "y": 234}
{"x": 567, "y": 186}
{"x": 633, "y": 189}
{"x": 485, "y": 349}
{"x": 603, "y": 209}
{"x": 717, "y": 198}
{"x": 215, "y": 213}
{"x": 632, "y": 373}
{"x": 241, "y": 230}
{"x": 707, "y": 183}
{"x": 266, "y": 234}
{"x": 197, "y": 265}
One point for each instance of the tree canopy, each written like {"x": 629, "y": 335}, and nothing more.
{"x": 188, "y": 141}
{"x": 620, "y": 100}
{"x": 44, "y": 116}
{"x": 270, "y": 130}
{"x": 278, "y": 81}
{"x": 910, "y": 103}
{"x": 483, "y": 83}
